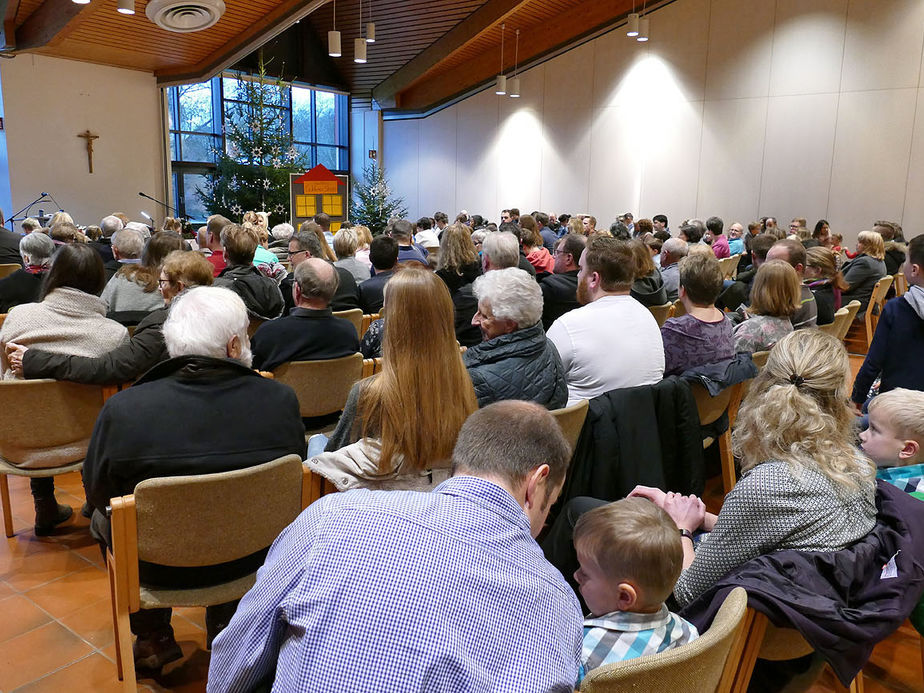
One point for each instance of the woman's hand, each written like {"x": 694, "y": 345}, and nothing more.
{"x": 655, "y": 495}
{"x": 14, "y": 353}
{"x": 687, "y": 512}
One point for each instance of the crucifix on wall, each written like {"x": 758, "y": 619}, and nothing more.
{"x": 89, "y": 137}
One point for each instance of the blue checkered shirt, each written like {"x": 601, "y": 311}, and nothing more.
{"x": 624, "y": 635}
{"x": 402, "y": 591}
{"x": 909, "y": 479}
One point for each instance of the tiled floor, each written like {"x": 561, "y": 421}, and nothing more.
{"x": 56, "y": 624}
{"x": 55, "y": 616}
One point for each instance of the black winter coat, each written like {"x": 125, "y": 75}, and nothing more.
{"x": 124, "y": 364}
{"x": 18, "y": 288}
{"x": 559, "y": 295}
{"x": 260, "y": 294}
{"x": 520, "y": 365}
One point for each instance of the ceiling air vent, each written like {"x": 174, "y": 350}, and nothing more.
{"x": 184, "y": 16}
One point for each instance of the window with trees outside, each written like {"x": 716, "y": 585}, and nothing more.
{"x": 315, "y": 119}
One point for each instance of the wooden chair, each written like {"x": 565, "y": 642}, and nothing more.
{"x": 900, "y": 283}
{"x": 678, "y": 309}
{"x": 368, "y": 319}
{"x": 45, "y": 429}
{"x": 705, "y": 665}
{"x": 729, "y": 266}
{"x": 852, "y": 308}
{"x": 662, "y": 313}
{"x": 765, "y": 641}
{"x": 194, "y": 521}
{"x": 571, "y": 419}
{"x": 322, "y": 386}
{"x": 710, "y": 409}
{"x": 7, "y": 270}
{"x": 3, "y": 318}
{"x": 841, "y": 316}
{"x": 355, "y": 316}
{"x": 877, "y": 301}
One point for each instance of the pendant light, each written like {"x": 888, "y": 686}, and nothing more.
{"x": 333, "y": 38}
{"x": 515, "y": 82}
{"x": 126, "y": 6}
{"x": 632, "y": 25}
{"x": 642, "y": 30}
{"x": 81, "y": 2}
{"x": 359, "y": 44}
{"x": 370, "y": 26}
{"x": 501, "y": 88}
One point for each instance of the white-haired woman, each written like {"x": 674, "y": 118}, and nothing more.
{"x": 25, "y": 285}
{"x": 804, "y": 484}
{"x": 516, "y": 360}
{"x": 346, "y": 243}
{"x": 279, "y": 246}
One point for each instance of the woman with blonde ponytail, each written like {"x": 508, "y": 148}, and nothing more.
{"x": 804, "y": 484}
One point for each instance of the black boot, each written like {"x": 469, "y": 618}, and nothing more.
{"x": 48, "y": 513}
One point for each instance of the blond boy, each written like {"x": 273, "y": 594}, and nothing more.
{"x": 630, "y": 556}
{"x": 895, "y": 438}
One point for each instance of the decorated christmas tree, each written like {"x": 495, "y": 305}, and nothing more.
{"x": 373, "y": 203}
{"x": 252, "y": 172}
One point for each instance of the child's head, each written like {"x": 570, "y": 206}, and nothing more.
{"x": 914, "y": 262}
{"x": 895, "y": 435}
{"x": 630, "y": 555}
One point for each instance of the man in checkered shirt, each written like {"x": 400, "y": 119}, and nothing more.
{"x": 406, "y": 591}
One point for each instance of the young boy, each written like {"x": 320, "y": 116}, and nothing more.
{"x": 894, "y": 355}
{"x": 895, "y": 439}
{"x": 631, "y": 557}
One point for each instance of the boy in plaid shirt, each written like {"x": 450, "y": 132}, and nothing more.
{"x": 895, "y": 438}
{"x": 630, "y": 556}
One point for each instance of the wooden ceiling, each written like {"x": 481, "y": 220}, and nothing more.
{"x": 427, "y": 51}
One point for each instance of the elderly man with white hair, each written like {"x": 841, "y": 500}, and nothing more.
{"x": 24, "y": 285}
{"x": 515, "y": 360}
{"x": 127, "y": 246}
{"x": 190, "y": 414}
{"x": 672, "y": 252}
{"x": 108, "y": 226}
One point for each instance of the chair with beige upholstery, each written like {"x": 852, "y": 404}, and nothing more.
{"x": 355, "y": 316}
{"x": 195, "y": 521}
{"x": 763, "y": 640}
{"x": 707, "y": 664}
{"x": 321, "y": 386}
{"x": 662, "y": 313}
{"x": 45, "y": 428}
{"x": 7, "y": 270}
{"x": 571, "y": 419}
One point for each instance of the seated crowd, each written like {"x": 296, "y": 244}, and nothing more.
{"x": 479, "y": 330}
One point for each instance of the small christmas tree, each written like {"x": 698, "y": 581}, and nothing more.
{"x": 252, "y": 172}
{"x": 373, "y": 204}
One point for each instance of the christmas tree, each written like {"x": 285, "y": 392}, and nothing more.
{"x": 373, "y": 204}
{"x": 252, "y": 172}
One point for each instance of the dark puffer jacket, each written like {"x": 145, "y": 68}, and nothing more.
{"x": 520, "y": 365}
{"x": 260, "y": 294}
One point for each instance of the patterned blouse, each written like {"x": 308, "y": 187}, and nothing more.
{"x": 691, "y": 342}
{"x": 760, "y": 333}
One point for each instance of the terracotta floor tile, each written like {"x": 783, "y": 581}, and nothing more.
{"x": 20, "y": 615}
{"x": 93, "y": 623}
{"x": 41, "y": 651}
{"x": 94, "y": 673}
{"x": 33, "y": 569}
{"x": 109, "y": 652}
{"x": 5, "y": 590}
{"x": 91, "y": 553}
{"x": 68, "y": 594}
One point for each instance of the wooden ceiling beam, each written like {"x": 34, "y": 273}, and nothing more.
{"x": 48, "y": 23}
{"x": 540, "y": 39}
{"x": 8, "y": 29}
{"x": 266, "y": 28}
{"x": 464, "y": 32}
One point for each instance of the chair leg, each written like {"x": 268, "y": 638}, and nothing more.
{"x": 115, "y": 616}
{"x": 5, "y": 502}
{"x": 755, "y": 638}
{"x": 727, "y": 459}
{"x": 123, "y": 633}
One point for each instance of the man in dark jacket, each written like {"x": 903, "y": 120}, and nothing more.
{"x": 559, "y": 290}
{"x": 260, "y": 294}
{"x": 103, "y": 245}
{"x": 303, "y": 245}
{"x": 192, "y": 414}
{"x": 383, "y": 253}
{"x": 738, "y": 293}
{"x": 310, "y": 332}
{"x": 515, "y": 360}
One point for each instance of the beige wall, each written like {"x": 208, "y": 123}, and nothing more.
{"x": 739, "y": 108}
{"x": 48, "y": 101}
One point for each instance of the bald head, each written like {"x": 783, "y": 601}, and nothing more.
{"x": 316, "y": 282}
{"x": 789, "y": 250}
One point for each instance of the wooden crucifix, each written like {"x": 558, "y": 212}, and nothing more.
{"x": 89, "y": 138}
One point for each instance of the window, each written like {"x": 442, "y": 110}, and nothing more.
{"x": 315, "y": 119}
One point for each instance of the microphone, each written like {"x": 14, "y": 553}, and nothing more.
{"x": 154, "y": 199}
{"x": 147, "y": 216}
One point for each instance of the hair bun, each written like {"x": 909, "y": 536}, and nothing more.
{"x": 796, "y": 380}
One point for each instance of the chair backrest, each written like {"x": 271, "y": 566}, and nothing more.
{"x": 355, "y": 316}
{"x": 841, "y": 316}
{"x": 900, "y": 283}
{"x": 322, "y": 386}
{"x": 46, "y": 423}
{"x": 571, "y": 420}
{"x": 2, "y": 318}
{"x": 661, "y": 313}
{"x": 879, "y": 293}
{"x": 711, "y": 408}
{"x": 207, "y": 519}
{"x": 729, "y": 266}
{"x": 852, "y": 309}
{"x": 678, "y": 309}
{"x": 697, "y": 666}
{"x": 7, "y": 270}
{"x": 760, "y": 359}
{"x": 368, "y": 320}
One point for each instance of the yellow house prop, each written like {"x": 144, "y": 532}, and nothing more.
{"x": 318, "y": 191}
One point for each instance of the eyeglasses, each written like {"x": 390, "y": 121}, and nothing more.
{"x": 297, "y": 252}
{"x": 559, "y": 251}
{"x": 162, "y": 282}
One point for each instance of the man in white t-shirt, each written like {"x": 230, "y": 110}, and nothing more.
{"x": 612, "y": 341}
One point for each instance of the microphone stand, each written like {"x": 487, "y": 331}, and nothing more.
{"x": 162, "y": 204}
{"x": 27, "y": 207}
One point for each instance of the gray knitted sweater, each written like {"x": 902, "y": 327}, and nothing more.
{"x": 772, "y": 507}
